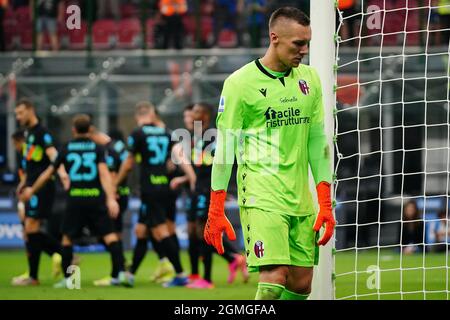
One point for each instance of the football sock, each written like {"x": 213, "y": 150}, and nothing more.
{"x": 193, "y": 253}
{"x": 116, "y": 259}
{"x": 172, "y": 254}
{"x": 67, "y": 256}
{"x": 207, "y": 253}
{"x": 34, "y": 253}
{"x": 289, "y": 295}
{"x": 269, "y": 291}
{"x": 140, "y": 249}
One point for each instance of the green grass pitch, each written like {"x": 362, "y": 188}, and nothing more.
{"x": 434, "y": 278}
{"x": 97, "y": 265}
{"x": 416, "y": 276}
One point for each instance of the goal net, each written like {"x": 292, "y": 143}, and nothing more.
{"x": 392, "y": 150}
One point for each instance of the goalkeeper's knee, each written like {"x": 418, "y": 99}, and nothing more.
{"x": 289, "y": 295}
{"x": 269, "y": 291}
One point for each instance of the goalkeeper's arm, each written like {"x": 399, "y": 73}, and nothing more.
{"x": 221, "y": 171}
{"x": 319, "y": 161}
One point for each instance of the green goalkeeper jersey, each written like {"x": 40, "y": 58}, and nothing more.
{"x": 273, "y": 123}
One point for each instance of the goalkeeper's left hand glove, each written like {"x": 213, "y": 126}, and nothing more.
{"x": 217, "y": 222}
{"x": 325, "y": 215}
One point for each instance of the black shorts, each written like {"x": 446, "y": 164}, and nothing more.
{"x": 96, "y": 218}
{"x": 154, "y": 209}
{"x": 41, "y": 204}
{"x": 123, "y": 206}
{"x": 172, "y": 206}
{"x": 199, "y": 206}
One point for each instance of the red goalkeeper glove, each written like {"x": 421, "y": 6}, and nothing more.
{"x": 217, "y": 222}
{"x": 325, "y": 215}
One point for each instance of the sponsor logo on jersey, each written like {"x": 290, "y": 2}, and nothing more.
{"x": 303, "y": 87}
{"x": 222, "y": 104}
{"x": 258, "y": 248}
{"x": 287, "y": 117}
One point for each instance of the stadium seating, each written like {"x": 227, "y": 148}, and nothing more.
{"x": 128, "y": 34}
{"x": 206, "y": 29}
{"x": 25, "y": 31}
{"x": 227, "y": 39}
{"x": 104, "y": 34}
{"x": 10, "y": 30}
{"x": 77, "y": 38}
{"x": 128, "y": 10}
{"x": 22, "y": 14}
{"x": 150, "y": 36}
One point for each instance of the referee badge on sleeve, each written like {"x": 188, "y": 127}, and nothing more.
{"x": 222, "y": 104}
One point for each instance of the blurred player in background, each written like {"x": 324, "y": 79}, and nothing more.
{"x": 116, "y": 153}
{"x": 202, "y": 159}
{"x": 92, "y": 197}
{"x": 164, "y": 271}
{"x": 18, "y": 139}
{"x": 152, "y": 145}
{"x": 175, "y": 184}
{"x": 38, "y": 153}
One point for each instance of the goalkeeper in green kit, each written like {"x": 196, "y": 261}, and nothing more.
{"x": 271, "y": 118}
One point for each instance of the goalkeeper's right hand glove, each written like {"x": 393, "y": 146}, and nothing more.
{"x": 217, "y": 222}
{"x": 325, "y": 215}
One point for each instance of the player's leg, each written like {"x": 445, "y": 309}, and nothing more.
{"x": 117, "y": 226}
{"x": 194, "y": 242}
{"x": 67, "y": 256}
{"x": 165, "y": 271}
{"x": 171, "y": 216}
{"x": 141, "y": 232}
{"x": 33, "y": 249}
{"x": 71, "y": 225}
{"x": 157, "y": 222}
{"x": 118, "y": 223}
{"x": 21, "y": 214}
{"x": 206, "y": 252}
{"x": 102, "y": 222}
{"x": 266, "y": 239}
{"x": 272, "y": 282}
{"x": 140, "y": 248}
{"x": 160, "y": 232}
{"x": 304, "y": 255}
{"x": 41, "y": 207}
{"x": 298, "y": 284}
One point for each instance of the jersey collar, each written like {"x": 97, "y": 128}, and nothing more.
{"x": 263, "y": 70}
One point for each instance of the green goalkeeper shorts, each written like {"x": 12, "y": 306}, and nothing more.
{"x": 278, "y": 239}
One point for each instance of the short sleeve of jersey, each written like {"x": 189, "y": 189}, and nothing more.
{"x": 61, "y": 157}
{"x": 230, "y": 113}
{"x": 318, "y": 113}
{"x": 134, "y": 142}
{"x": 45, "y": 139}
{"x": 112, "y": 160}
{"x": 101, "y": 154}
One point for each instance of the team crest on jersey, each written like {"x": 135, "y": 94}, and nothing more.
{"x": 258, "y": 248}
{"x": 222, "y": 104}
{"x": 303, "y": 87}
